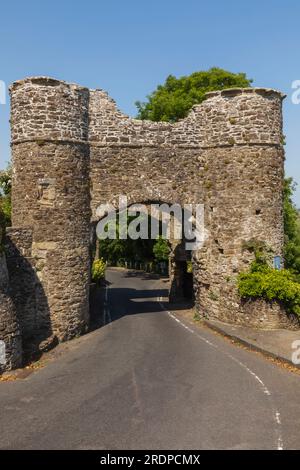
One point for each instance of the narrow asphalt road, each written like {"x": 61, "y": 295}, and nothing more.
{"x": 148, "y": 380}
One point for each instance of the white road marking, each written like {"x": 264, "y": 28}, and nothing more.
{"x": 266, "y": 391}
{"x": 106, "y": 310}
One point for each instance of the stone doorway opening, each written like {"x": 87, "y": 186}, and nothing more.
{"x": 181, "y": 275}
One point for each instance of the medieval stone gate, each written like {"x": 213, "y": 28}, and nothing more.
{"x": 73, "y": 150}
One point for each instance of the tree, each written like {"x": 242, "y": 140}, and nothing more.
{"x": 161, "y": 249}
{"x": 5, "y": 193}
{"x": 173, "y": 100}
{"x": 114, "y": 250}
{"x": 291, "y": 228}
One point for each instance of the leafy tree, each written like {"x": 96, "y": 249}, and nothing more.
{"x": 174, "y": 99}
{"x": 5, "y": 193}
{"x": 161, "y": 249}
{"x": 114, "y": 250}
{"x": 291, "y": 228}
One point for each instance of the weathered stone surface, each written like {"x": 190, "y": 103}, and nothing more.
{"x": 267, "y": 315}
{"x": 70, "y": 143}
{"x": 51, "y": 198}
{"x": 10, "y": 332}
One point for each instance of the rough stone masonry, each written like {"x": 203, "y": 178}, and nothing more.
{"x": 73, "y": 150}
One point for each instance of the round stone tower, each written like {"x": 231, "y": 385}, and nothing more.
{"x": 243, "y": 148}
{"x": 50, "y": 200}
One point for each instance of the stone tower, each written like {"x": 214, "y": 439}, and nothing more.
{"x": 243, "y": 150}
{"x": 51, "y": 208}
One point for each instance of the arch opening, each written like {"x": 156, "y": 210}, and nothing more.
{"x": 144, "y": 239}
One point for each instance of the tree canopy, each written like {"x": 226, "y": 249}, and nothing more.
{"x": 5, "y": 194}
{"x": 174, "y": 99}
{"x": 161, "y": 249}
{"x": 291, "y": 228}
{"x": 114, "y": 250}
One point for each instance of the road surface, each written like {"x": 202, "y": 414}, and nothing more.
{"x": 148, "y": 380}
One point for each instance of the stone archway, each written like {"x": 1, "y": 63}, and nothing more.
{"x": 73, "y": 149}
{"x": 161, "y": 217}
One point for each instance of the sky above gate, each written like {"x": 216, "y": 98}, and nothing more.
{"x": 129, "y": 47}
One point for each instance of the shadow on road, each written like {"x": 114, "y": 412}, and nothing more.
{"x": 139, "y": 295}
{"x": 130, "y": 301}
{"x": 122, "y": 301}
{"x": 144, "y": 276}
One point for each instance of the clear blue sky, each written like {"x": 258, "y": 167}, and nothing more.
{"x": 129, "y": 47}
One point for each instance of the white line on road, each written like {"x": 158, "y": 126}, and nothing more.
{"x": 106, "y": 310}
{"x": 266, "y": 391}
{"x": 106, "y": 307}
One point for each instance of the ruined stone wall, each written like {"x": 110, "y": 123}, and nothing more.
{"x": 69, "y": 141}
{"x": 10, "y": 332}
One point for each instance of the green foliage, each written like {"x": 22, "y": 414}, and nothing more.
{"x": 117, "y": 251}
{"x": 6, "y": 208}
{"x": 174, "y": 99}
{"x": 5, "y": 203}
{"x": 161, "y": 249}
{"x": 291, "y": 228}
{"x": 189, "y": 267}
{"x": 270, "y": 284}
{"x": 5, "y": 181}
{"x": 98, "y": 270}
{"x": 5, "y": 194}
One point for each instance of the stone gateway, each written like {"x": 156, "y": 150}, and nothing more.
{"x": 72, "y": 150}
